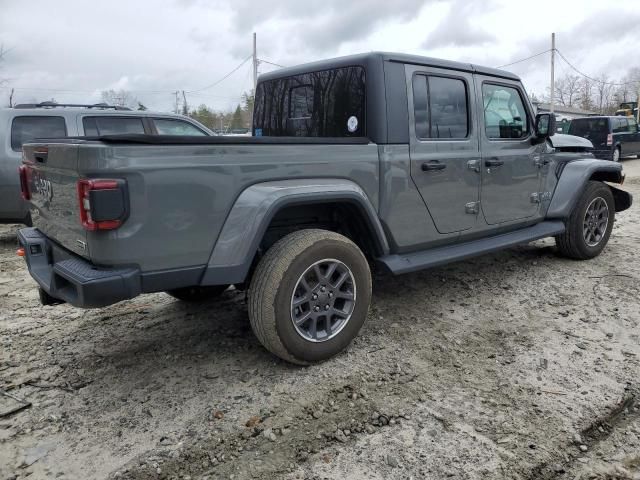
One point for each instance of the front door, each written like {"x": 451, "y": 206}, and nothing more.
{"x": 445, "y": 160}
{"x": 510, "y": 161}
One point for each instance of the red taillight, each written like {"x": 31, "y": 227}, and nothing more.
{"x": 24, "y": 182}
{"x": 609, "y": 140}
{"x": 85, "y": 187}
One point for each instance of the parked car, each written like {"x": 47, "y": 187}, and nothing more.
{"x": 428, "y": 162}
{"x": 26, "y": 122}
{"x": 613, "y": 137}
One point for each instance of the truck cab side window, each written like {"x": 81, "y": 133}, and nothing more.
{"x": 25, "y": 129}
{"x": 440, "y": 107}
{"x": 421, "y": 106}
{"x": 504, "y": 114}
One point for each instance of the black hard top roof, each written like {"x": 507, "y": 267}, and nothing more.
{"x": 366, "y": 58}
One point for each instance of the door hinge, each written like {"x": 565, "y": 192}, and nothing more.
{"x": 538, "y": 197}
{"x": 540, "y": 160}
{"x": 474, "y": 165}
{"x": 472, "y": 208}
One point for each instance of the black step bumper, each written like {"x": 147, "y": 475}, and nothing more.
{"x": 72, "y": 279}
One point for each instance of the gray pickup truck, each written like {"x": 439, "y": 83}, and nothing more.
{"x": 397, "y": 161}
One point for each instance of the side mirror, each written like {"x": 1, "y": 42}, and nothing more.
{"x": 545, "y": 125}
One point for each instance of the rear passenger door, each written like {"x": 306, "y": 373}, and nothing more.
{"x": 511, "y": 172}
{"x": 98, "y": 125}
{"x": 445, "y": 158}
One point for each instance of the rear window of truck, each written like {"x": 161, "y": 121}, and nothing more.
{"x": 25, "y": 129}
{"x": 329, "y": 103}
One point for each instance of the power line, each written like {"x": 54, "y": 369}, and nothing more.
{"x": 271, "y": 63}
{"x": 524, "y": 59}
{"x": 617, "y": 84}
{"x": 223, "y": 78}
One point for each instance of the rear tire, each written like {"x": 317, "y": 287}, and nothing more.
{"x": 309, "y": 296}
{"x": 615, "y": 155}
{"x": 197, "y": 293}
{"x": 589, "y": 225}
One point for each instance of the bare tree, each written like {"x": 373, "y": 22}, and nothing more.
{"x": 602, "y": 92}
{"x": 568, "y": 90}
{"x": 120, "y": 98}
{"x": 585, "y": 90}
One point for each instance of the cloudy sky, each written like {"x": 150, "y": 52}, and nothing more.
{"x": 71, "y": 50}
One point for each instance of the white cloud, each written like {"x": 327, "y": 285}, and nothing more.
{"x": 157, "y": 47}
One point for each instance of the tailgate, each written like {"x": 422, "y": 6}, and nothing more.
{"x": 51, "y": 176}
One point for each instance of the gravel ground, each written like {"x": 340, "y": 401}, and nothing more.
{"x": 517, "y": 365}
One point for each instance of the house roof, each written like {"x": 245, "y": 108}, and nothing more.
{"x": 563, "y": 109}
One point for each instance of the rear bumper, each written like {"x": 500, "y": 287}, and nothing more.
{"x": 69, "y": 277}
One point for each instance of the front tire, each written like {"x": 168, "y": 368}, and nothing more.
{"x": 309, "y": 296}
{"x": 589, "y": 225}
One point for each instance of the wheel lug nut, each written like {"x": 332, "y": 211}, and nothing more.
{"x": 322, "y": 288}
{"x": 317, "y": 309}
{"x": 330, "y": 294}
{"x": 315, "y": 297}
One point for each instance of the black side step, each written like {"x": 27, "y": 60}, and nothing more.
{"x": 411, "y": 262}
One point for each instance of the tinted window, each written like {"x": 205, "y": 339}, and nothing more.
{"x": 301, "y": 102}
{"x": 421, "y": 106}
{"x": 440, "y": 106}
{"x": 633, "y": 126}
{"x": 24, "y": 129}
{"x": 619, "y": 125}
{"x": 504, "y": 112}
{"x": 584, "y": 126}
{"x": 167, "y": 126}
{"x": 329, "y": 103}
{"x": 95, "y": 126}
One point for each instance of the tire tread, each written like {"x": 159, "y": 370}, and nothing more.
{"x": 569, "y": 243}
{"x": 266, "y": 279}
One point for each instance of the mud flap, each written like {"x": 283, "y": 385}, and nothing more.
{"x": 622, "y": 199}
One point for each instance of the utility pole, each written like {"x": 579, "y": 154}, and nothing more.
{"x": 175, "y": 107}
{"x": 637, "y": 115}
{"x": 185, "y": 106}
{"x": 255, "y": 77}
{"x": 255, "y": 64}
{"x": 11, "y": 99}
{"x": 553, "y": 83}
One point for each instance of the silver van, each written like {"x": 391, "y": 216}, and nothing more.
{"x": 26, "y": 122}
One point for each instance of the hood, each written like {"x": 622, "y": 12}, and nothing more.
{"x": 561, "y": 140}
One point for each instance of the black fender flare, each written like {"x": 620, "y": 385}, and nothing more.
{"x": 251, "y": 214}
{"x": 574, "y": 177}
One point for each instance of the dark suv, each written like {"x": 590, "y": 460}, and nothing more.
{"x": 612, "y": 137}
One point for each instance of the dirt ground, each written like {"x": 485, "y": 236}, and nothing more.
{"x": 517, "y": 365}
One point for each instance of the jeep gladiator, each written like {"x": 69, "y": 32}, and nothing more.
{"x": 398, "y": 161}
